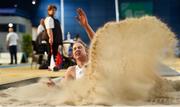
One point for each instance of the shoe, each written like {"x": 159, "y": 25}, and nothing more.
{"x": 10, "y": 63}
{"x": 55, "y": 69}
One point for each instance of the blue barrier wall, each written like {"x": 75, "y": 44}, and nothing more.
{"x": 98, "y": 12}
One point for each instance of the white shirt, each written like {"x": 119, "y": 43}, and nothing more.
{"x": 79, "y": 72}
{"x": 12, "y": 37}
{"x": 40, "y": 29}
{"x": 49, "y": 22}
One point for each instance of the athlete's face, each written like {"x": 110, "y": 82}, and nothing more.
{"x": 79, "y": 51}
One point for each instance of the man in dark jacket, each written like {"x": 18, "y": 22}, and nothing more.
{"x": 54, "y": 31}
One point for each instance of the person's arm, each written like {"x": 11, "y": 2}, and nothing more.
{"x": 7, "y": 41}
{"x": 82, "y": 19}
{"x": 50, "y": 34}
{"x": 49, "y": 24}
{"x": 69, "y": 74}
{"x": 7, "y": 45}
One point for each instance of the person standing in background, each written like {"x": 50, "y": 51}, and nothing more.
{"x": 54, "y": 31}
{"x": 40, "y": 27}
{"x": 12, "y": 40}
{"x": 42, "y": 40}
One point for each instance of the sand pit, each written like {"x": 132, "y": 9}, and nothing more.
{"x": 123, "y": 70}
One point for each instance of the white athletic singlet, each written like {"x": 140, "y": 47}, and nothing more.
{"x": 79, "y": 72}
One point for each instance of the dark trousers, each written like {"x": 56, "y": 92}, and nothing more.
{"x": 13, "y": 53}
{"x": 54, "y": 52}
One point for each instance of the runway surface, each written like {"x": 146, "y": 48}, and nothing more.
{"x": 14, "y": 73}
